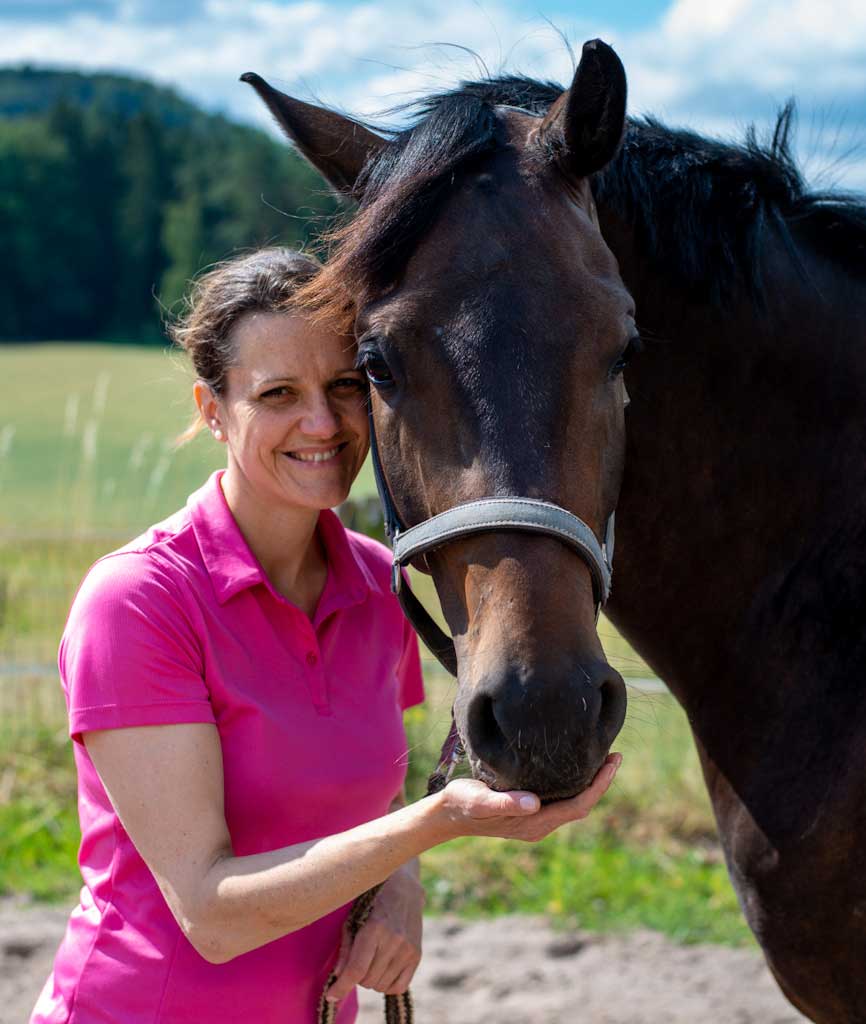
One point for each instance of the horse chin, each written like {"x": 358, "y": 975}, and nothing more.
{"x": 549, "y": 788}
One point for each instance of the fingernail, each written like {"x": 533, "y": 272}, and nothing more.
{"x": 527, "y": 803}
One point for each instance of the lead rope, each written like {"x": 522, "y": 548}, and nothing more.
{"x": 398, "y": 1009}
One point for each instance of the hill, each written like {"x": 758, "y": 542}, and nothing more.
{"x": 114, "y": 192}
{"x": 29, "y": 91}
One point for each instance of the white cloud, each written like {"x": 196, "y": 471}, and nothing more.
{"x": 714, "y": 66}
{"x": 771, "y": 45}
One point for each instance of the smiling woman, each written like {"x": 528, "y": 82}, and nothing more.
{"x": 235, "y": 679}
{"x": 293, "y": 414}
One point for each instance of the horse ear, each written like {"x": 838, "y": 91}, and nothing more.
{"x": 336, "y": 146}
{"x": 583, "y": 129}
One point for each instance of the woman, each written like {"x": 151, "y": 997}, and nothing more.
{"x": 235, "y": 680}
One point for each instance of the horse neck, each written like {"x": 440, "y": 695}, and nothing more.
{"x": 741, "y": 544}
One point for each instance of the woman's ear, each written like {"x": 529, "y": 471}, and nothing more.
{"x": 210, "y": 409}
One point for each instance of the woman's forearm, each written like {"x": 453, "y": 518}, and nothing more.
{"x": 246, "y": 902}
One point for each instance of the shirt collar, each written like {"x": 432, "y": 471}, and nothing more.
{"x": 349, "y": 578}
{"x": 233, "y": 567}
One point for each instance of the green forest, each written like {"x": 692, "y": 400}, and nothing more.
{"x": 114, "y": 192}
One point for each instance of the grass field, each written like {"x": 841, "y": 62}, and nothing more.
{"x": 86, "y": 462}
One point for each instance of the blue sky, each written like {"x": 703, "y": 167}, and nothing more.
{"x": 714, "y": 65}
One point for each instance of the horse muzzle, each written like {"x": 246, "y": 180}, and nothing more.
{"x": 548, "y": 736}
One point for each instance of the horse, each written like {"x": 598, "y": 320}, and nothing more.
{"x": 741, "y": 560}
{"x": 426, "y": 276}
{"x": 741, "y": 549}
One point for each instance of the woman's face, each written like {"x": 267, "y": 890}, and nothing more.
{"x": 293, "y": 412}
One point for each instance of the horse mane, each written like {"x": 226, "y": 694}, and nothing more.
{"x": 701, "y": 208}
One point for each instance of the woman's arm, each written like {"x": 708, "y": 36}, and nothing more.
{"x": 387, "y": 949}
{"x": 166, "y": 784}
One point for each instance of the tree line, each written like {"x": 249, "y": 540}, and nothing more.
{"x": 114, "y": 193}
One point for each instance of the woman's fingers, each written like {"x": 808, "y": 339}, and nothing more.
{"x": 376, "y": 960}
{"x": 382, "y": 967}
{"x": 383, "y": 975}
{"x": 518, "y": 814}
{"x": 475, "y": 799}
{"x": 403, "y": 981}
{"x": 345, "y": 946}
{"x": 401, "y": 967}
{"x": 586, "y": 800}
{"x": 578, "y": 807}
{"x": 358, "y": 963}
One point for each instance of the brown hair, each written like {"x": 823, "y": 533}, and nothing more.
{"x": 264, "y": 281}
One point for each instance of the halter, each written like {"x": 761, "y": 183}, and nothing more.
{"x": 481, "y": 516}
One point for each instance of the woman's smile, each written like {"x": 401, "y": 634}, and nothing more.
{"x": 317, "y": 456}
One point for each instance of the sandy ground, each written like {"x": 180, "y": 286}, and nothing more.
{"x": 514, "y": 970}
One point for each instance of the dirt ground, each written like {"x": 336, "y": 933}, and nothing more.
{"x": 514, "y": 970}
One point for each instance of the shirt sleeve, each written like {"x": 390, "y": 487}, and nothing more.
{"x": 129, "y": 655}
{"x": 409, "y": 676}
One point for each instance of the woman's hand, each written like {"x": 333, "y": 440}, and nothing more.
{"x": 387, "y": 949}
{"x": 474, "y": 809}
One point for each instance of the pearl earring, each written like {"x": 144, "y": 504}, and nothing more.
{"x": 218, "y": 434}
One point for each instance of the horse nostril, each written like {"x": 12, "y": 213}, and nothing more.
{"x": 486, "y": 737}
{"x": 613, "y": 705}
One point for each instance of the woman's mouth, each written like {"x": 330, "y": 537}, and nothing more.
{"x": 317, "y": 455}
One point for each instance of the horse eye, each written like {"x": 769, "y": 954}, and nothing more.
{"x": 633, "y": 348}
{"x": 376, "y": 369}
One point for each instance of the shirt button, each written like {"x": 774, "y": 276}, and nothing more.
{"x": 312, "y": 658}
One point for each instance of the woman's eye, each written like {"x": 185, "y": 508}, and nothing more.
{"x": 277, "y": 392}
{"x": 349, "y": 384}
{"x": 634, "y": 346}
{"x": 377, "y": 370}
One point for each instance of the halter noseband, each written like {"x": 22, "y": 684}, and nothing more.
{"x": 481, "y": 516}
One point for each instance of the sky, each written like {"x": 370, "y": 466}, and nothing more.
{"x": 713, "y": 65}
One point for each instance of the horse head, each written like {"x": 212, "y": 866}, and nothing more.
{"x": 493, "y": 326}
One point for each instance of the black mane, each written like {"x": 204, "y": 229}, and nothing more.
{"x": 410, "y": 178}
{"x": 701, "y": 207}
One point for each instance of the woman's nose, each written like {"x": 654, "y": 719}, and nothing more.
{"x": 320, "y": 418}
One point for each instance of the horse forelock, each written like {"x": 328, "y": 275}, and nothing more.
{"x": 403, "y": 189}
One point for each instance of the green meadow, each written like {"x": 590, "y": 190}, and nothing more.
{"x": 88, "y": 460}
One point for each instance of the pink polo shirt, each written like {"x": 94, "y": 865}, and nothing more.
{"x": 182, "y": 625}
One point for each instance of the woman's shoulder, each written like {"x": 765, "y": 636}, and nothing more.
{"x": 153, "y": 565}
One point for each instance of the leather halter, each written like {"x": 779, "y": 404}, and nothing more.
{"x": 481, "y": 516}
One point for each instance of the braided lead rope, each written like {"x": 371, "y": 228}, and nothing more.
{"x": 398, "y": 1009}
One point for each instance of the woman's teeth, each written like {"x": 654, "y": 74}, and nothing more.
{"x": 315, "y": 456}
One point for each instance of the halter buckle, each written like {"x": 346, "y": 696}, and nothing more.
{"x": 396, "y": 577}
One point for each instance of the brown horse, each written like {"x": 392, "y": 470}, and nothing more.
{"x": 741, "y": 560}
{"x": 528, "y": 394}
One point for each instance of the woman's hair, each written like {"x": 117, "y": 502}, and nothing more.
{"x": 265, "y": 281}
